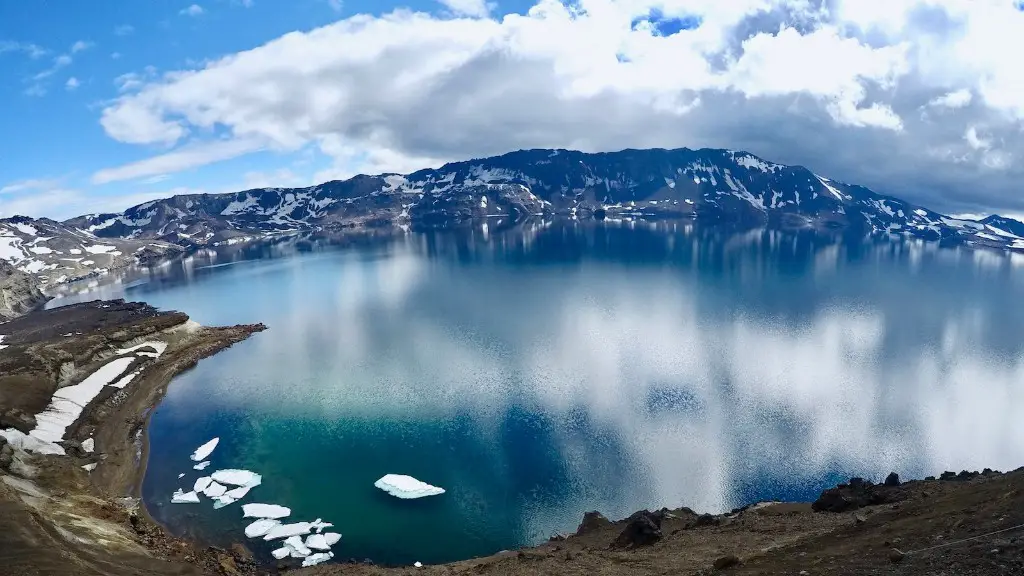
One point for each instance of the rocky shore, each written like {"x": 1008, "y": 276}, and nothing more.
{"x": 79, "y": 513}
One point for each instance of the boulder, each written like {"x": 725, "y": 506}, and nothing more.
{"x": 642, "y": 529}
{"x": 855, "y": 494}
{"x": 726, "y": 562}
{"x": 893, "y": 479}
{"x": 592, "y": 521}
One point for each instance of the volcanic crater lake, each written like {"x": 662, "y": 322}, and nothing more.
{"x": 540, "y": 372}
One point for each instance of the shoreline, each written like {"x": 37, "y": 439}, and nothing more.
{"x": 58, "y": 519}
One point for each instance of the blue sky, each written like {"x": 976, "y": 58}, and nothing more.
{"x": 61, "y": 61}
{"x": 109, "y": 104}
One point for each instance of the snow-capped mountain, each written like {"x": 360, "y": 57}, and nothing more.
{"x": 706, "y": 184}
{"x": 54, "y": 253}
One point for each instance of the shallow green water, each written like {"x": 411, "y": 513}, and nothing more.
{"x": 540, "y": 374}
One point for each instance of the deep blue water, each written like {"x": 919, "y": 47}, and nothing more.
{"x": 539, "y": 373}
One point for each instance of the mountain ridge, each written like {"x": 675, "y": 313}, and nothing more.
{"x": 707, "y": 184}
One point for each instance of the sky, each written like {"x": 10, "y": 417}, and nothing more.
{"x": 105, "y": 105}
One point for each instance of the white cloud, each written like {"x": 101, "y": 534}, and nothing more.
{"x": 124, "y": 30}
{"x": 32, "y": 50}
{"x": 954, "y": 99}
{"x": 30, "y": 185}
{"x": 181, "y": 159}
{"x": 72, "y": 84}
{"x": 336, "y": 5}
{"x": 80, "y": 46}
{"x": 477, "y": 8}
{"x": 840, "y": 90}
{"x": 193, "y": 10}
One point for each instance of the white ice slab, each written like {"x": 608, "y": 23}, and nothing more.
{"x": 69, "y": 402}
{"x": 418, "y": 564}
{"x": 295, "y": 543}
{"x": 202, "y": 484}
{"x": 286, "y": 530}
{"x": 201, "y": 465}
{"x": 265, "y": 511}
{"x": 180, "y": 476}
{"x": 88, "y": 444}
{"x": 180, "y": 497}
{"x": 18, "y": 439}
{"x": 315, "y": 559}
{"x": 238, "y": 493}
{"x": 214, "y": 490}
{"x": 205, "y": 450}
{"x": 319, "y": 525}
{"x": 281, "y": 553}
{"x": 331, "y": 538}
{"x": 238, "y": 478}
{"x": 158, "y": 346}
{"x": 317, "y": 542}
{"x": 260, "y": 527}
{"x": 406, "y": 487}
{"x": 222, "y": 501}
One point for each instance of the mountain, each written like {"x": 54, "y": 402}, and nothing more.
{"x": 54, "y": 253}
{"x": 19, "y": 292}
{"x": 707, "y": 184}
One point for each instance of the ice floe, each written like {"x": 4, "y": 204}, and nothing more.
{"x": 88, "y": 444}
{"x": 406, "y": 487}
{"x": 314, "y": 559}
{"x": 286, "y": 530}
{"x": 238, "y": 493}
{"x": 296, "y": 544}
{"x": 201, "y": 465}
{"x": 332, "y": 538}
{"x": 281, "y": 553}
{"x": 180, "y": 476}
{"x": 180, "y": 497}
{"x": 205, "y": 450}
{"x": 238, "y": 478}
{"x": 214, "y": 490}
{"x": 322, "y": 541}
{"x": 261, "y": 527}
{"x": 418, "y": 564}
{"x": 222, "y": 501}
{"x": 265, "y": 511}
{"x": 202, "y": 483}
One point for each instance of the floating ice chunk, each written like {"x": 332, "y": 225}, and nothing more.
{"x": 406, "y": 487}
{"x": 319, "y": 525}
{"x": 331, "y": 538}
{"x": 180, "y": 476}
{"x": 418, "y": 564}
{"x": 317, "y": 542}
{"x": 201, "y": 465}
{"x": 260, "y": 527}
{"x": 89, "y": 467}
{"x": 238, "y": 493}
{"x": 214, "y": 490}
{"x": 281, "y": 553}
{"x": 222, "y": 501}
{"x": 296, "y": 544}
{"x": 286, "y": 530}
{"x": 180, "y": 497}
{"x": 88, "y": 444}
{"x": 238, "y": 478}
{"x": 315, "y": 559}
{"x": 205, "y": 450}
{"x": 264, "y": 511}
{"x": 202, "y": 483}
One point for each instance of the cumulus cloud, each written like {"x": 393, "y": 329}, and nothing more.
{"x": 72, "y": 84}
{"x": 877, "y": 93}
{"x": 193, "y": 10}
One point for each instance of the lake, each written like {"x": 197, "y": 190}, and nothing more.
{"x": 543, "y": 371}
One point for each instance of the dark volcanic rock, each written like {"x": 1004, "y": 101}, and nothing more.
{"x": 855, "y": 494}
{"x": 893, "y": 479}
{"x": 726, "y": 562}
{"x": 642, "y": 529}
{"x": 592, "y": 521}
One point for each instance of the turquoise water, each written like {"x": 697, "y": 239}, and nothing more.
{"x": 537, "y": 374}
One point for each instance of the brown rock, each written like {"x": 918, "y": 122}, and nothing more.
{"x": 726, "y": 562}
{"x": 895, "y": 556}
{"x": 592, "y": 521}
{"x": 642, "y": 529}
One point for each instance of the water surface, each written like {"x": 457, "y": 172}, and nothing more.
{"x": 539, "y": 373}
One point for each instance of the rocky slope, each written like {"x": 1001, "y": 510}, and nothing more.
{"x": 53, "y": 253}
{"x": 19, "y": 292}
{"x": 708, "y": 184}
